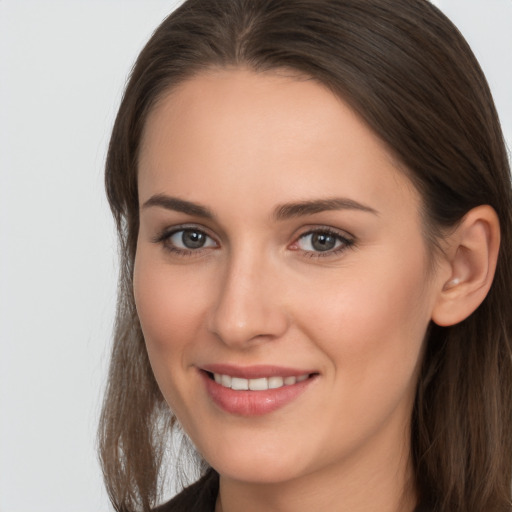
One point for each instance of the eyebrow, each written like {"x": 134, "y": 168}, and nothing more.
{"x": 178, "y": 205}
{"x": 289, "y": 210}
{"x": 281, "y": 212}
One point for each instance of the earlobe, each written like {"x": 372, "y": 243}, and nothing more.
{"x": 471, "y": 255}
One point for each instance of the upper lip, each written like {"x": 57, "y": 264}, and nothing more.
{"x": 255, "y": 371}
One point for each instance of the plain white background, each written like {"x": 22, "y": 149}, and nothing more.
{"x": 63, "y": 65}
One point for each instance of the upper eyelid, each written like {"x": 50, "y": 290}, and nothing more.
{"x": 347, "y": 240}
{"x": 308, "y": 230}
{"x": 171, "y": 230}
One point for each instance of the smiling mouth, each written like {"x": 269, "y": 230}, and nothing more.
{"x": 259, "y": 384}
{"x": 255, "y": 390}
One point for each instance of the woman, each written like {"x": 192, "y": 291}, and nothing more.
{"x": 313, "y": 203}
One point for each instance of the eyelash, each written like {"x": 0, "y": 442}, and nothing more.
{"x": 165, "y": 237}
{"x": 346, "y": 243}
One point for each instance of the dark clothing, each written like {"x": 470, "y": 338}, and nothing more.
{"x": 198, "y": 497}
{"x": 201, "y": 497}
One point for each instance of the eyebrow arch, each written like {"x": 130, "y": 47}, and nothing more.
{"x": 178, "y": 205}
{"x": 281, "y": 212}
{"x": 290, "y": 210}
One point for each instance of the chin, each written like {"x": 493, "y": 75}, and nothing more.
{"x": 259, "y": 472}
{"x": 255, "y": 463}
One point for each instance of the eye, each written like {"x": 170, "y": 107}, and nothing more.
{"x": 322, "y": 241}
{"x": 191, "y": 239}
{"x": 184, "y": 241}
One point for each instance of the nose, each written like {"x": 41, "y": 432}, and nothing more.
{"x": 248, "y": 309}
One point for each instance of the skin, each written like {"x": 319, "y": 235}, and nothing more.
{"x": 241, "y": 145}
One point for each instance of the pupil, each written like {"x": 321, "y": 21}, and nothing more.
{"x": 193, "y": 239}
{"x": 323, "y": 241}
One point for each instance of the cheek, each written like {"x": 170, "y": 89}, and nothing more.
{"x": 170, "y": 309}
{"x": 169, "y": 306}
{"x": 371, "y": 323}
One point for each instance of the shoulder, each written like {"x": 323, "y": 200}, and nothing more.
{"x": 198, "y": 497}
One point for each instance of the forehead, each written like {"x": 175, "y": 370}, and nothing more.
{"x": 237, "y": 132}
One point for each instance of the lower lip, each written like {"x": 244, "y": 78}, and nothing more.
{"x": 253, "y": 403}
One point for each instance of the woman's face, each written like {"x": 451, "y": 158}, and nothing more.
{"x": 280, "y": 249}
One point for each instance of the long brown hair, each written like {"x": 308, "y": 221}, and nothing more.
{"x": 408, "y": 72}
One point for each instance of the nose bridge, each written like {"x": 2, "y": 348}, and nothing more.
{"x": 247, "y": 308}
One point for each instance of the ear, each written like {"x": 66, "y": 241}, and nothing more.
{"x": 469, "y": 262}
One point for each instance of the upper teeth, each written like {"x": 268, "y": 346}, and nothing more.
{"x": 260, "y": 384}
